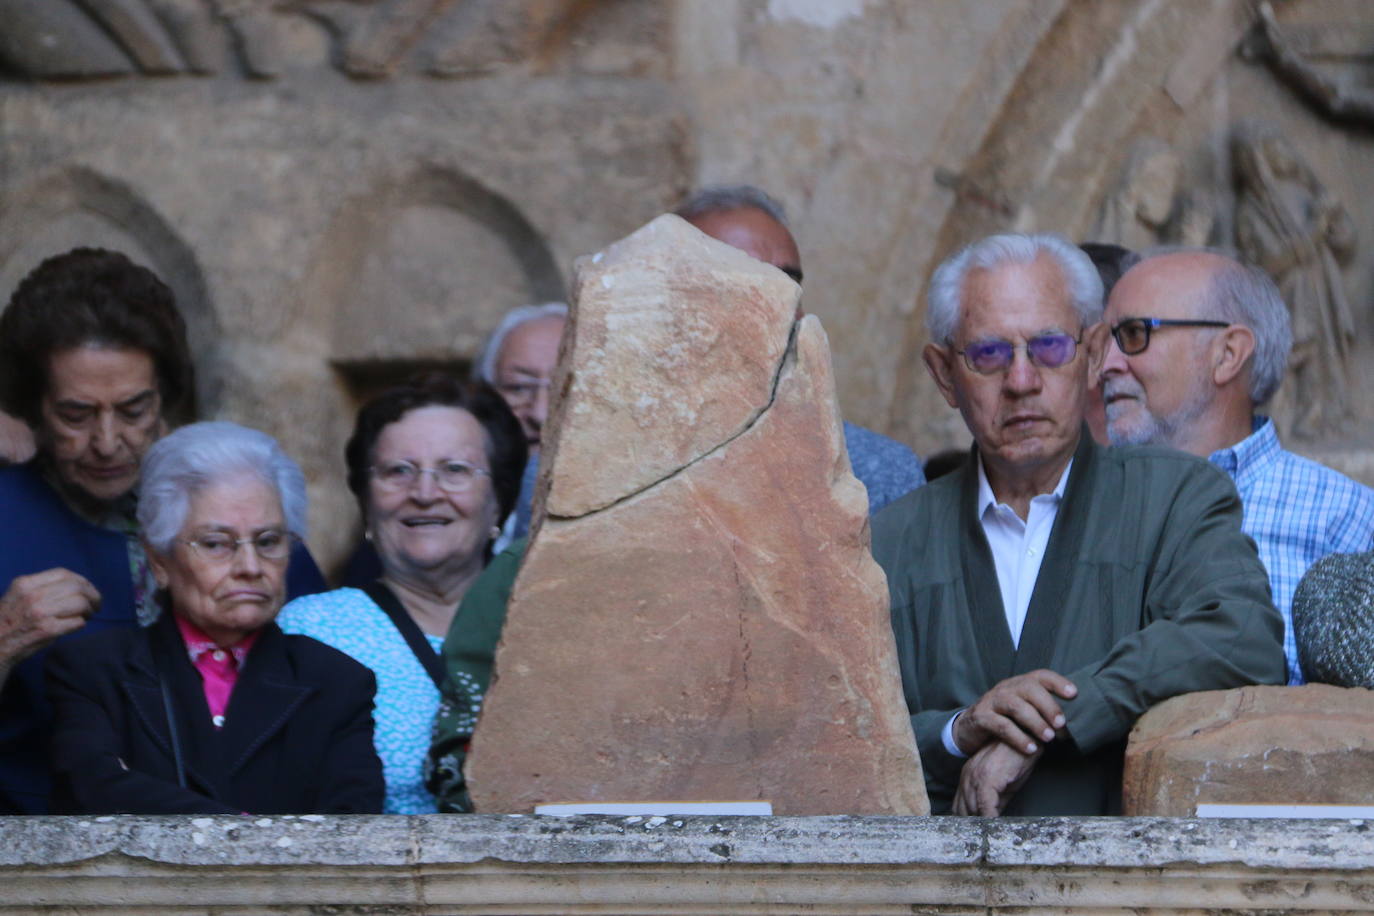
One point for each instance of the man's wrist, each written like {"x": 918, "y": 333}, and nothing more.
{"x": 947, "y": 737}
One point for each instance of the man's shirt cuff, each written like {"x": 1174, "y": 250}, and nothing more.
{"x": 947, "y": 737}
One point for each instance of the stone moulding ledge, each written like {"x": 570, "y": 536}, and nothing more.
{"x": 440, "y": 864}
{"x": 786, "y": 361}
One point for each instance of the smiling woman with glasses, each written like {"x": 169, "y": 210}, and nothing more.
{"x": 436, "y": 466}
{"x": 214, "y": 709}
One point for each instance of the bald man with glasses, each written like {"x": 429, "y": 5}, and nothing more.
{"x": 1051, "y": 590}
{"x": 1201, "y": 345}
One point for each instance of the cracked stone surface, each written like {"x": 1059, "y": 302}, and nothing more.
{"x": 699, "y": 617}
{"x": 1309, "y": 745}
{"x": 672, "y": 355}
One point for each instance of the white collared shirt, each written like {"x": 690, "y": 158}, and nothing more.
{"x": 1017, "y": 548}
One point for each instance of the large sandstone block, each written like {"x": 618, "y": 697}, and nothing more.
{"x": 1307, "y": 745}
{"x": 698, "y": 616}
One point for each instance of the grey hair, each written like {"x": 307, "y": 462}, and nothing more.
{"x": 722, "y": 198}
{"x": 485, "y": 367}
{"x": 1243, "y": 294}
{"x": 188, "y": 460}
{"x": 947, "y": 285}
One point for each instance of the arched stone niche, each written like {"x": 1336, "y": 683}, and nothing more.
{"x": 411, "y": 274}
{"x": 419, "y": 270}
{"x": 78, "y": 207}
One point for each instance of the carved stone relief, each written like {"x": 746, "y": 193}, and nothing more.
{"x": 1288, "y": 223}
{"x": 1149, "y": 207}
{"x": 1310, "y": 61}
{"x": 262, "y": 39}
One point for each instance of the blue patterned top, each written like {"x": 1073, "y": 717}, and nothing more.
{"x": 886, "y": 467}
{"x": 407, "y": 699}
{"x": 1297, "y": 511}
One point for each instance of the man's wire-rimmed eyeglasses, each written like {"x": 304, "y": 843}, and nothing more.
{"x": 523, "y": 392}
{"x": 1049, "y": 351}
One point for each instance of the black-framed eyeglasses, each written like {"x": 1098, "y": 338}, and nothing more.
{"x": 450, "y": 476}
{"x": 1049, "y": 351}
{"x": 1133, "y": 334}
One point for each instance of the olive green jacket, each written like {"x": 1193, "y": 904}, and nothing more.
{"x": 1148, "y": 589}
{"x": 469, "y": 650}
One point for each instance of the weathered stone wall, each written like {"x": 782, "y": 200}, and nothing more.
{"x": 336, "y": 191}
{"x": 898, "y": 131}
{"x": 453, "y": 864}
{"x": 339, "y": 189}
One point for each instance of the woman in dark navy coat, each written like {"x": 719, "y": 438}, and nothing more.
{"x": 213, "y": 709}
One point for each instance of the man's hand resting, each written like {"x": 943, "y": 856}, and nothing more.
{"x": 1021, "y": 712}
{"x": 991, "y": 777}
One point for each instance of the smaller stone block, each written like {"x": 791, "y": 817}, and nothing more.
{"x": 1310, "y": 745}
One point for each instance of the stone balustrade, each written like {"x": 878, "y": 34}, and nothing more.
{"x": 447, "y": 864}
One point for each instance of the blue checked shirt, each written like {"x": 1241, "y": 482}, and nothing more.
{"x": 1297, "y": 511}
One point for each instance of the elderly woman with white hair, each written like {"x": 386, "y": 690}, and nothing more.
{"x": 213, "y": 709}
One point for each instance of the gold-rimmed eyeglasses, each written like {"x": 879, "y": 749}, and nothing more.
{"x": 220, "y": 547}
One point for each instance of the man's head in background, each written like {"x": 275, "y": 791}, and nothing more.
{"x": 747, "y": 218}
{"x": 1201, "y": 341}
{"x": 518, "y": 361}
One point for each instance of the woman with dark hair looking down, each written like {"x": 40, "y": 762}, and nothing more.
{"x": 93, "y": 358}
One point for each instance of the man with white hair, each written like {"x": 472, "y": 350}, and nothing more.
{"x": 1201, "y": 342}
{"x": 1050, "y": 591}
{"x": 518, "y": 361}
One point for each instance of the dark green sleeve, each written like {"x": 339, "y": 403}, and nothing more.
{"x": 469, "y": 649}
{"x": 896, "y": 551}
{"x": 1209, "y": 621}
{"x": 940, "y": 768}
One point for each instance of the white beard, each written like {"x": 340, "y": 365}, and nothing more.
{"x": 1133, "y": 423}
